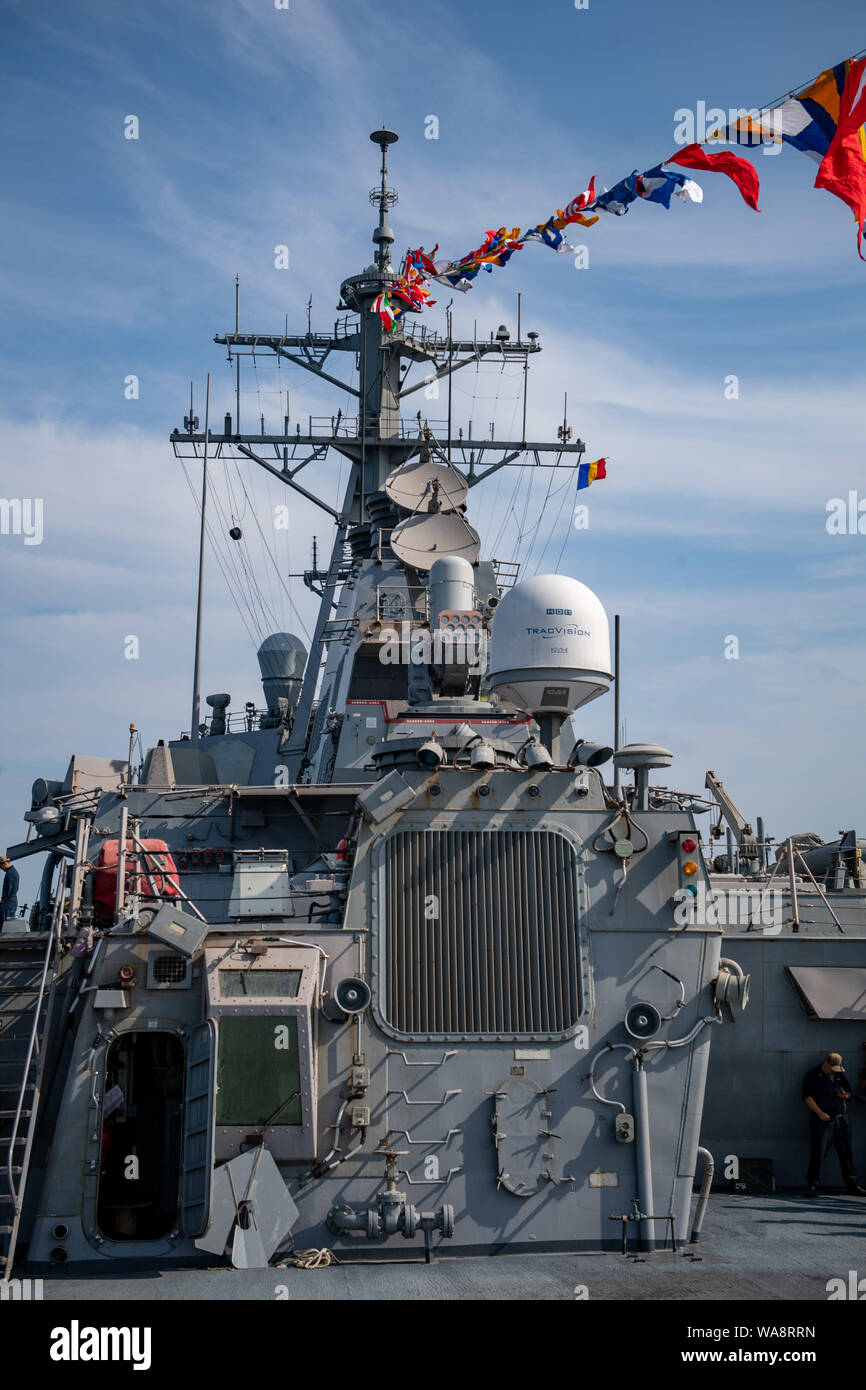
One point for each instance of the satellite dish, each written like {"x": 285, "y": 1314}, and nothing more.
{"x": 412, "y": 486}
{"x": 421, "y": 539}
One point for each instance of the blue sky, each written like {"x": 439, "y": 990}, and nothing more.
{"x": 120, "y": 258}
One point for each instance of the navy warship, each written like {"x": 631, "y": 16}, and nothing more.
{"x": 395, "y": 964}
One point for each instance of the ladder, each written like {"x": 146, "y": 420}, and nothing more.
{"x": 28, "y": 969}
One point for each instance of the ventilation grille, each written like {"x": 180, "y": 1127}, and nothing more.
{"x": 169, "y": 970}
{"x": 501, "y": 956}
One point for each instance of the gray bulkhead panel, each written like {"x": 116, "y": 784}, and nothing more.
{"x": 756, "y": 1068}
{"x": 433, "y": 1096}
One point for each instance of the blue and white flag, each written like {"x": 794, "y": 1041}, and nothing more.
{"x": 548, "y": 235}
{"x": 658, "y": 185}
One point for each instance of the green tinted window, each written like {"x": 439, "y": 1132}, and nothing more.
{"x": 259, "y": 984}
{"x": 257, "y": 1071}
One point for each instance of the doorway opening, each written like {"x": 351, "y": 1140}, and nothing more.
{"x": 142, "y": 1137}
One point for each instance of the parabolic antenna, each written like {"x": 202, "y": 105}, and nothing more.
{"x": 413, "y": 486}
{"x": 421, "y": 539}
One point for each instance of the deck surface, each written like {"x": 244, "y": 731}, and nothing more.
{"x": 783, "y": 1247}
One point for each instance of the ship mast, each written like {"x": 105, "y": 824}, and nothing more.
{"x": 380, "y": 438}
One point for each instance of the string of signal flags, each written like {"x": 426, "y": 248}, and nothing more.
{"x": 825, "y": 121}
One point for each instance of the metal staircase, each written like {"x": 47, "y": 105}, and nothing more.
{"x": 28, "y": 967}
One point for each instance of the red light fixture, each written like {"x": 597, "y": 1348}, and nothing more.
{"x": 689, "y": 845}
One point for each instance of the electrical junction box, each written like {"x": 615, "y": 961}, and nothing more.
{"x": 755, "y": 1178}
{"x": 261, "y": 885}
{"x": 382, "y": 799}
{"x": 180, "y": 930}
{"x": 359, "y": 1080}
{"x": 623, "y": 1129}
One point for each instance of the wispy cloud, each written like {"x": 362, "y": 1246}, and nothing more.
{"x": 254, "y": 132}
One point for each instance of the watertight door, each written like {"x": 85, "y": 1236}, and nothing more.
{"x": 198, "y": 1132}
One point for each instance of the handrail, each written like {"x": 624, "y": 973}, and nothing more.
{"x": 33, "y": 1046}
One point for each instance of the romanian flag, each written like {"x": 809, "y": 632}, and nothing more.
{"x": 588, "y": 472}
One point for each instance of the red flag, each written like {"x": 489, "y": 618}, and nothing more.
{"x": 843, "y": 168}
{"x": 743, "y": 173}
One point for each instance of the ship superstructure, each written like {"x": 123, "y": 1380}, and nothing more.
{"x": 391, "y": 966}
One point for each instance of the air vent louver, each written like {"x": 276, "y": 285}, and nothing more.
{"x": 502, "y": 955}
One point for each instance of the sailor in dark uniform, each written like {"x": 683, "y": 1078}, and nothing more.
{"x": 826, "y": 1092}
{"x": 9, "y": 894}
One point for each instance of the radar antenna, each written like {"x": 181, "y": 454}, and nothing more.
{"x": 386, "y": 197}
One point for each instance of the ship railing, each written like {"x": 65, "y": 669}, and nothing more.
{"x": 320, "y": 430}
{"x": 506, "y": 572}
{"x": 33, "y": 1055}
{"x": 394, "y": 604}
{"x": 245, "y": 720}
{"x": 349, "y": 427}
{"x": 339, "y": 629}
{"x": 742, "y": 859}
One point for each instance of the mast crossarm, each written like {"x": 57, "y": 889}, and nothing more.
{"x": 307, "y": 357}
{"x": 474, "y": 477}
{"x": 218, "y": 442}
{"x": 474, "y": 348}
{"x": 525, "y": 446}
{"x": 323, "y": 342}
{"x": 340, "y": 441}
{"x": 287, "y": 479}
{"x": 448, "y": 370}
{"x": 468, "y": 353}
{"x": 311, "y": 458}
{"x": 313, "y": 365}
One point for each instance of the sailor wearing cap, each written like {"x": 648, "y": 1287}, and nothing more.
{"x": 9, "y": 893}
{"x": 826, "y": 1091}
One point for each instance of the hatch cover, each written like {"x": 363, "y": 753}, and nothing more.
{"x": 523, "y": 1136}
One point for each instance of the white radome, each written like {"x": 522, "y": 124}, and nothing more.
{"x": 550, "y": 645}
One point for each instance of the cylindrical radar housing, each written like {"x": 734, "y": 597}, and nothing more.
{"x": 282, "y": 658}
{"x": 452, "y": 586}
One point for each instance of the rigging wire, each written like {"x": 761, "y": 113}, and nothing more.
{"x": 273, "y": 596}
{"x": 229, "y": 559}
{"x": 509, "y": 509}
{"x": 499, "y": 481}
{"x": 241, "y": 565}
{"x": 565, "y": 538}
{"x": 540, "y": 519}
{"x": 272, "y": 558}
{"x": 234, "y": 556}
{"x": 565, "y": 490}
{"x": 209, "y": 531}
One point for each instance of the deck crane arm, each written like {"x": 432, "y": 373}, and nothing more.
{"x": 742, "y": 830}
